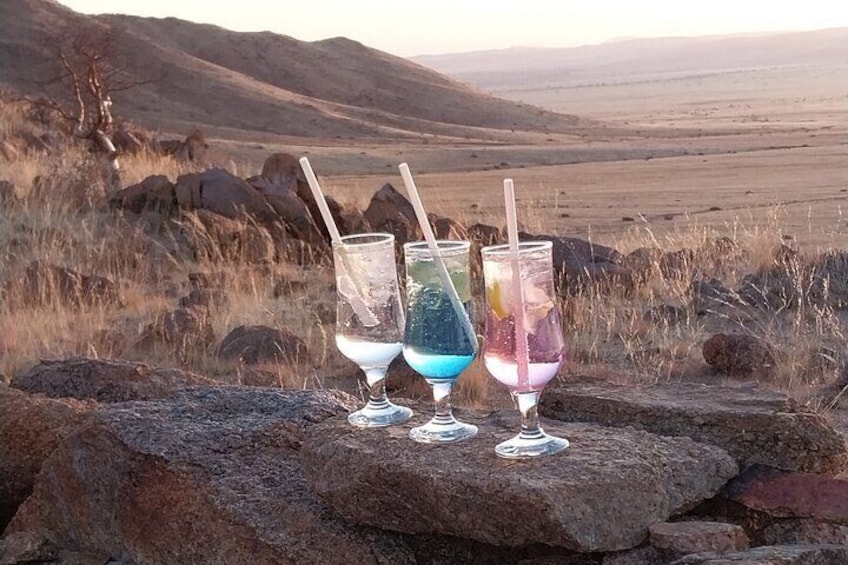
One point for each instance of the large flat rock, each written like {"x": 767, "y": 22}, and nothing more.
{"x": 601, "y": 494}
{"x": 753, "y": 425}
{"x": 209, "y": 475}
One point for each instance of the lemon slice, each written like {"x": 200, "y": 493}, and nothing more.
{"x": 497, "y": 300}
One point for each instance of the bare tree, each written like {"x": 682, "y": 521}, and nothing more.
{"x": 79, "y": 88}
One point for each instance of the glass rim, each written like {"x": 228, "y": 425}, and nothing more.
{"x": 376, "y": 239}
{"x": 503, "y": 249}
{"x": 446, "y": 247}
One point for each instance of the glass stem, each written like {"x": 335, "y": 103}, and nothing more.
{"x": 528, "y": 405}
{"x": 441, "y": 397}
{"x": 375, "y": 378}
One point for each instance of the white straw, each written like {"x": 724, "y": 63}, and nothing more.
{"x": 441, "y": 268}
{"x": 522, "y": 353}
{"x": 357, "y": 302}
{"x": 320, "y": 201}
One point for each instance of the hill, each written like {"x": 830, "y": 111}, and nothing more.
{"x": 637, "y": 60}
{"x": 265, "y": 82}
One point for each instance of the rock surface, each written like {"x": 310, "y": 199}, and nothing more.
{"x": 600, "y": 495}
{"x": 791, "y": 495}
{"x": 696, "y": 536}
{"x": 103, "y": 380}
{"x": 211, "y": 475}
{"x": 389, "y": 211}
{"x": 30, "y": 429}
{"x": 773, "y": 555}
{"x": 755, "y": 426}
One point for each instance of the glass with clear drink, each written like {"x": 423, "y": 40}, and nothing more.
{"x": 370, "y": 319}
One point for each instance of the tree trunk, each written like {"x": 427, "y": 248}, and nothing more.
{"x": 111, "y": 167}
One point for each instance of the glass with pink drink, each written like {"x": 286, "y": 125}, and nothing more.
{"x": 524, "y": 346}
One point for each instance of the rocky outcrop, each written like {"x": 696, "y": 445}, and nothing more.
{"x": 104, "y": 380}
{"x": 222, "y": 193}
{"x": 389, "y": 211}
{"x": 755, "y": 426}
{"x": 30, "y": 429}
{"x": 600, "y": 495}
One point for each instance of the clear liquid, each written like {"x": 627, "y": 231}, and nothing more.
{"x": 367, "y": 353}
{"x": 505, "y": 370}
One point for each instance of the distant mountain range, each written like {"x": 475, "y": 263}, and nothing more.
{"x": 626, "y": 60}
{"x": 265, "y": 82}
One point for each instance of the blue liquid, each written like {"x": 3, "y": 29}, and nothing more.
{"x": 437, "y": 367}
{"x": 435, "y": 342}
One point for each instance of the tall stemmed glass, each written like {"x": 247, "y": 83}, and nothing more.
{"x": 439, "y": 341}
{"x": 524, "y": 347}
{"x": 370, "y": 319}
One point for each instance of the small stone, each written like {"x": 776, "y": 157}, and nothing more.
{"x": 739, "y": 355}
{"x": 253, "y": 345}
{"x": 695, "y": 537}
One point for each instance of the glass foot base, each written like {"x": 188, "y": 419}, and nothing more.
{"x": 436, "y": 432}
{"x": 380, "y": 416}
{"x": 523, "y": 447}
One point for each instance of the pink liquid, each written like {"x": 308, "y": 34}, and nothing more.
{"x": 545, "y": 347}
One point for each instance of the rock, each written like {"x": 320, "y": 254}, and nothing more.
{"x": 775, "y": 289}
{"x": 785, "y": 494}
{"x": 677, "y": 264}
{"x": 103, "y": 380}
{"x": 830, "y": 273}
{"x": 739, "y": 355}
{"x": 645, "y": 555}
{"x": 293, "y": 212}
{"x": 26, "y": 547}
{"x": 283, "y": 170}
{"x": 216, "y": 238}
{"x": 773, "y": 555}
{"x": 755, "y": 426}
{"x": 183, "y": 330}
{"x": 206, "y": 299}
{"x": 155, "y": 193}
{"x": 43, "y": 284}
{"x": 447, "y": 228}
{"x": 10, "y": 194}
{"x": 665, "y": 315}
{"x": 601, "y": 495}
{"x": 793, "y": 531}
{"x": 643, "y": 262}
{"x": 208, "y": 476}
{"x": 253, "y": 345}
{"x": 582, "y": 265}
{"x": 695, "y": 536}
{"x": 222, "y": 193}
{"x": 389, "y": 211}
{"x": 30, "y": 429}
{"x": 483, "y": 235}
{"x": 193, "y": 148}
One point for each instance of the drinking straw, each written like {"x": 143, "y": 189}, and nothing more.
{"x": 522, "y": 353}
{"x": 441, "y": 268}
{"x": 358, "y": 304}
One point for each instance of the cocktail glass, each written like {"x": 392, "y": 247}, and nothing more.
{"x": 370, "y": 319}
{"x": 439, "y": 341}
{"x": 527, "y": 356}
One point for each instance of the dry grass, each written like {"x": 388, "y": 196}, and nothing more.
{"x": 63, "y": 221}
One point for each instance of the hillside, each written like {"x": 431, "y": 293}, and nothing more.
{"x": 265, "y": 82}
{"x": 634, "y": 60}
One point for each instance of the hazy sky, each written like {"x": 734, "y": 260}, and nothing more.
{"x": 414, "y": 27}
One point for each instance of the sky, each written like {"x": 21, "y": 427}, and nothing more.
{"x": 416, "y": 27}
